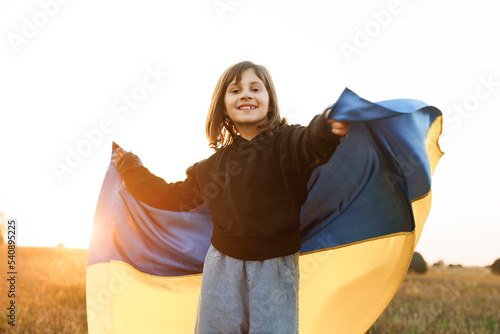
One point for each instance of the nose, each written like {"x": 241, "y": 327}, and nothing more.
{"x": 246, "y": 95}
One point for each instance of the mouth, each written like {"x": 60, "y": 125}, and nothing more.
{"x": 247, "y": 107}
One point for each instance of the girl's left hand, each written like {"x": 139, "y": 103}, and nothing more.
{"x": 339, "y": 128}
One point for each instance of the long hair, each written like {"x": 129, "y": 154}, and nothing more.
{"x": 219, "y": 128}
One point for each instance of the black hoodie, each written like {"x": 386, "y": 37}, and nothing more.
{"x": 253, "y": 189}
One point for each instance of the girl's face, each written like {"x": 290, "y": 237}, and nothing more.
{"x": 247, "y": 102}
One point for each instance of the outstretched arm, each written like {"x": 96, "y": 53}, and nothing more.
{"x": 311, "y": 146}
{"x": 153, "y": 190}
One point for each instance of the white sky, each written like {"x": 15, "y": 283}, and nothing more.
{"x": 67, "y": 67}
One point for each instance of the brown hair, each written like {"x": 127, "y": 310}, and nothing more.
{"x": 219, "y": 128}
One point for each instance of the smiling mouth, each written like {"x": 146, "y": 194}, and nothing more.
{"x": 247, "y": 108}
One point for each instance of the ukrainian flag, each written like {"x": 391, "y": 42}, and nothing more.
{"x": 362, "y": 220}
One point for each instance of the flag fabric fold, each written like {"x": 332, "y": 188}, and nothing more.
{"x": 359, "y": 227}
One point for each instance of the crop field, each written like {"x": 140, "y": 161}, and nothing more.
{"x": 50, "y": 297}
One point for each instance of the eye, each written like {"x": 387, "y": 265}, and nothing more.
{"x": 256, "y": 89}
{"x": 235, "y": 91}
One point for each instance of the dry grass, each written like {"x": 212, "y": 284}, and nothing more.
{"x": 444, "y": 300}
{"x": 50, "y": 291}
{"x": 51, "y": 297}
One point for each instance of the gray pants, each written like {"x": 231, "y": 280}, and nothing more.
{"x": 239, "y": 296}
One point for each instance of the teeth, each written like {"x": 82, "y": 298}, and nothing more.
{"x": 246, "y": 108}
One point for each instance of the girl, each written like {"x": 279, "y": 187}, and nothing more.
{"x": 254, "y": 186}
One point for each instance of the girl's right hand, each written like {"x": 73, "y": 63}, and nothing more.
{"x": 117, "y": 156}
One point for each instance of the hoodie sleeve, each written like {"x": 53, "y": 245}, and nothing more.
{"x": 155, "y": 191}
{"x": 311, "y": 146}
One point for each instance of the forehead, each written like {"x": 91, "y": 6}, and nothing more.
{"x": 247, "y": 76}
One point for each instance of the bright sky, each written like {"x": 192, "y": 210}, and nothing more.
{"x": 142, "y": 73}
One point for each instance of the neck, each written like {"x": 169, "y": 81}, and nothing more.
{"x": 249, "y": 130}
{"x": 248, "y": 133}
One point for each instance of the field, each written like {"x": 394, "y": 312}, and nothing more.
{"x": 50, "y": 297}
{"x": 50, "y": 291}
{"x": 444, "y": 300}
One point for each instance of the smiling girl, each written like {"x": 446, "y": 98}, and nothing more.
{"x": 254, "y": 186}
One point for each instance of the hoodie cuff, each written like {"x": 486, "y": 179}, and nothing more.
{"x": 323, "y": 128}
{"x": 128, "y": 161}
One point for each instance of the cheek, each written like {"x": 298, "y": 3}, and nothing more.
{"x": 226, "y": 105}
{"x": 268, "y": 104}
{"x": 266, "y": 100}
